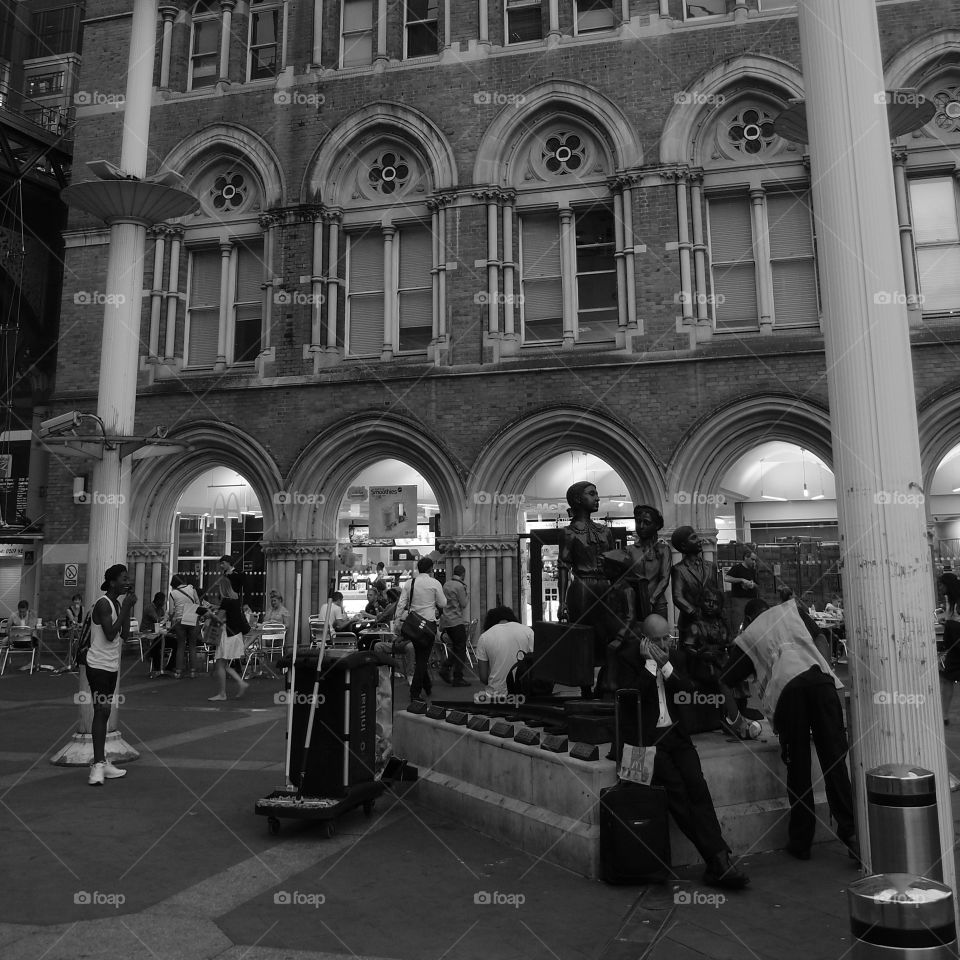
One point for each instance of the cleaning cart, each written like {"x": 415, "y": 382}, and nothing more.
{"x": 339, "y": 713}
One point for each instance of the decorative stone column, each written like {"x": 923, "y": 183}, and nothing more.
{"x": 568, "y": 254}
{"x": 226, "y": 261}
{"x": 665, "y": 9}
{"x": 389, "y": 290}
{"x": 332, "y": 352}
{"x": 381, "y": 57}
{"x": 270, "y": 224}
{"x": 887, "y": 580}
{"x": 317, "y": 282}
{"x": 492, "y": 200}
{"x": 146, "y": 561}
{"x": 226, "y": 8}
{"x": 172, "y": 297}
{"x": 907, "y": 252}
{"x": 440, "y": 342}
{"x": 761, "y": 242}
{"x": 317, "y": 34}
{"x": 684, "y": 248}
{"x": 168, "y": 14}
{"x": 490, "y": 570}
{"x": 704, "y": 322}
{"x": 553, "y": 11}
{"x": 156, "y": 293}
{"x": 483, "y": 22}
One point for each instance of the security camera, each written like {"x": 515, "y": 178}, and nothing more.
{"x": 55, "y": 425}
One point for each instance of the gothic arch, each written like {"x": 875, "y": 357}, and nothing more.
{"x": 680, "y": 132}
{"x": 331, "y": 460}
{"x": 561, "y": 97}
{"x": 939, "y": 422}
{"x": 242, "y": 143}
{"x": 394, "y": 120}
{"x": 910, "y": 60}
{"x": 510, "y": 459}
{"x": 717, "y": 441}
{"x": 157, "y": 483}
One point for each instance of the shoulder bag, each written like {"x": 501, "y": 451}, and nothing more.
{"x": 189, "y": 616}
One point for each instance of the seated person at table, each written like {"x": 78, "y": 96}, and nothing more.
{"x": 277, "y": 612}
{"x": 834, "y": 608}
{"x": 152, "y": 614}
{"x": 375, "y": 602}
{"x": 252, "y": 618}
{"x": 152, "y": 622}
{"x": 339, "y": 621}
{"x": 386, "y": 614}
{"x": 74, "y": 613}
{"x": 25, "y": 617}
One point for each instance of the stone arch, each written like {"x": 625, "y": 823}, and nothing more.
{"x": 939, "y": 423}
{"x": 680, "y": 132}
{"x": 393, "y": 119}
{"x": 331, "y": 460}
{"x": 157, "y": 483}
{"x": 716, "y": 442}
{"x": 577, "y": 99}
{"x": 910, "y": 60}
{"x": 241, "y": 142}
{"x": 510, "y": 459}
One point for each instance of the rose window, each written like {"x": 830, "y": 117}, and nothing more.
{"x": 389, "y": 173}
{"x": 751, "y": 131}
{"x": 564, "y": 153}
{"x": 947, "y": 102}
{"x": 229, "y": 192}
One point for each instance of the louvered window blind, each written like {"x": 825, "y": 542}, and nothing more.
{"x": 541, "y": 278}
{"x": 733, "y": 267}
{"x": 365, "y": 307}
{"x": 415, "y": 287}
{"x": 203, "y": 308}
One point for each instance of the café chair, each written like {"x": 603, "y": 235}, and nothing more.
{"x": 18, "y": 641}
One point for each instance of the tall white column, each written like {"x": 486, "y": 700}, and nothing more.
{"x": 910, "y": 285}
{"x": 761, "y": 246}
{"x": 568, "y": 261}
{"x": 226, "y": 251}
{"x": 226, "y": 7}
{"x": 389, "y": 233}
{"x": 169, "y": 14}
{"x": 887, "y": 580}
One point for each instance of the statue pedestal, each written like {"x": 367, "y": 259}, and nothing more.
{"x": 79, "y": 751}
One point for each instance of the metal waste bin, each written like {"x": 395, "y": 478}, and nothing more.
{"x": 898, "y": 916}
{"x": 904, "y": 827}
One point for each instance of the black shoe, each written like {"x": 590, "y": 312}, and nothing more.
{"x": 722, "y": 872}
{"x": 460, "y": 682}
{"x": 445, "y": 677}
{"x": 801, "y": 853}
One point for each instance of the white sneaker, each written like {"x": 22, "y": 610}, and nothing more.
{"x": 96, "y": 774}
{"x": 113, "y": 773}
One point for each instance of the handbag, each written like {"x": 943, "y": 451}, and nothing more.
{"x": 189, "y": 616}
{"x": 418, "y": 630}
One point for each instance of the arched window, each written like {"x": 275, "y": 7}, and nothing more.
{"x": 762, "y": 265}
{"x": 226, "y": 267}
{"x": 204, "y": 44}
{"x": 567, "y": 264}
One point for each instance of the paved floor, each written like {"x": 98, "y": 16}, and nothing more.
{"x": 171, "y": 862}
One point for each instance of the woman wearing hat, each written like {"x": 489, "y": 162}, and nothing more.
{"x": 650, "y": 572}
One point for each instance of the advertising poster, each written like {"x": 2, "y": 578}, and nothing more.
{"x": 393, "y": 512}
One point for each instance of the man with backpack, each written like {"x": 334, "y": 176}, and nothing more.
{"x": 100, "y": 647}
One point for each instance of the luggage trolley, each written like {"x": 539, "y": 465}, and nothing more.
{"x": 339, "y": 713}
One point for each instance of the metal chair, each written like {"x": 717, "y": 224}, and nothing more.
{"x": 473, "y": 635}
{"x": 135, "y": 636}
{"x": 273, "y": 638}
{"x": 254, "y": 655}
{"x": 19, "y": 640}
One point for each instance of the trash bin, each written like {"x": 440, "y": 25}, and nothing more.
{"x": 898, "y": 915}
{"x": 904, "y": 827}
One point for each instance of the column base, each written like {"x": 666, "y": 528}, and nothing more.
{"x": 79, "y": 751}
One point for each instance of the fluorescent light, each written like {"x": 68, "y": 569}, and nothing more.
{"x": 768, "y": 496}
{"x": 819, "y": 496}
{"x": 956, "y": 489}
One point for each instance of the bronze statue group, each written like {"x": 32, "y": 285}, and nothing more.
{"x": 701, "y": 682}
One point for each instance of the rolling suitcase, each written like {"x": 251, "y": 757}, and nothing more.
{"x": 634, "y": 829}
{"x": 563, "y": 653}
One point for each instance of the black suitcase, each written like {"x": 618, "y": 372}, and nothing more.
{"x": 563, "y": 653}
{"x": 634, "y": 828}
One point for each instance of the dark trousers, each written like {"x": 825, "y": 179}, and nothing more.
{"x": 421, "y": 670}
{"x": 804, "y": 710}
{"x": 677, "y": 769}
{"x": 456, "y": 650}
{"x": 168, "y": 643}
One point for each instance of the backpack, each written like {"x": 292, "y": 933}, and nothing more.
{"x": 83, "y": 644}
{"x": 521, "y": 680}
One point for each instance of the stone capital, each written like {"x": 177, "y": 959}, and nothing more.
{"x": 497, "y": 195}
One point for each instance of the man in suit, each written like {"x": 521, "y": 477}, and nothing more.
{"x": 646, "y": 666}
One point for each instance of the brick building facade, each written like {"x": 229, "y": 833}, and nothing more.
{"x": 558, "y": 227}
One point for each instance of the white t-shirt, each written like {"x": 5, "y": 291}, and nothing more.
{"x": 499, "y": 646}
{"x": 104, "y": 654}
{"x": 336, "y": 615}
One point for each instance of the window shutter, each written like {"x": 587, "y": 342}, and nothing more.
{"x": 939, "y": 278}
{"x": 204, "y": 308}
{"x": 250, "y": 271}
{"x": 542, "y": 304}
{"x": 795, "y": 298}
{"x": 934, "y": 211}
{"x": 416, "y": 287}
{"x": 248, "y": 305}
{"x": 365, "y": 300}
{"x": 734, "y": 272}
{"x": 731, "y": 231}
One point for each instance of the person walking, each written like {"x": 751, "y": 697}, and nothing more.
{"x": 742, "y": 578}
{"x": 421, "y": 594}
{"x": 224, "y": 606}
{"x": 454, "y": 624}
{"x": 109, "y": 627}
{"x": 182, "y": 608}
